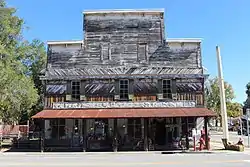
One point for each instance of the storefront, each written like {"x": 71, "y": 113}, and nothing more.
{"x": 119, "y": 129}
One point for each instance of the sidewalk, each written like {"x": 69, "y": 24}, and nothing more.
{"x": 216, "y": 145}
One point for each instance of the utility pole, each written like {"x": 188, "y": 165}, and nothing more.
{"x": 222, "y": 99}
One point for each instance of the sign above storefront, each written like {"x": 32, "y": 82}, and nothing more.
{"x": 80, "y": 105}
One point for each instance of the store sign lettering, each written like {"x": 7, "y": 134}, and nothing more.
{"x": 80, "y": 105}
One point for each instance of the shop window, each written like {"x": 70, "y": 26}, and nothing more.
{"x": 167, "y": 89}
{"x": 124, "y": 86}
{"x": 99, "y": 128}
{"x": 135, "y": 128}
{"x": 57, "y": 128}
{"x": 191, "y": 124}
{"x": 75, "y": 86}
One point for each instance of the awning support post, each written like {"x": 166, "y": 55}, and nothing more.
{"x": 115, "y": 142}
{"x": 187, "y": 133}
{"x": 206, "y": 131}
{"x": 84, "y": 135}
{"x": 145, "y": 134}
{"x": 42, "y": 135}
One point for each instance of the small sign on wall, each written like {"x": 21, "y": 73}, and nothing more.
{"x": 131, "y": 97}
{"x": 160, "y": 96}
{"x": 117, "y": 97}
{"x": 68, "y": 97}
{"x": 174, "y": 96}
{"x": 83, "y": 98}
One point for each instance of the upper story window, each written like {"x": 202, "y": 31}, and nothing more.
{"x": 142, "y": 52}
{"x": 75, "y": 86}
{"x": 123, "y": 89}
{"x": 167, "y": 89}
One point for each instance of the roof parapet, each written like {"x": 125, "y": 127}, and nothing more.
{"x": 64, "y": 42}
{"x": 123, "y": 11}
{"x": 196, "y": 40}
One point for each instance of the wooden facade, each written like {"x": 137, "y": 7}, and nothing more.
{"x": 125, "y": 57}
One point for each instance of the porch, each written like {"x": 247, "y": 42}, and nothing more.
{"x": 120, "y": 129}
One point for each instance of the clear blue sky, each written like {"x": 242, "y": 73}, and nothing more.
{"x": 217, "y": 22}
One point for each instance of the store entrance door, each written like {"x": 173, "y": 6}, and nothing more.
{"x": 160, "y": 132}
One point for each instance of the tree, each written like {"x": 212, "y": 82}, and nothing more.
{"x": 247, "y": 102}
{"x": 20, "y": 63}
{"x": 37, "y": 61}
{"x": 234, "y": 109}
{"x": 212, "y": 96}
{"x": 17, "y": 94}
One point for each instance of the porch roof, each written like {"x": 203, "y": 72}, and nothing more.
{"x": 125, "y": 113}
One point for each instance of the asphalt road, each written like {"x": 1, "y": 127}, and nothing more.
{"x": 123, "y": 159}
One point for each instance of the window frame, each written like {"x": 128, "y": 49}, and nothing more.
{"x": 56, "y": 126}
{"x": 124, "y": 92}
{"x": 167, "y": 89}
{"x": 75, "y": 94}
{"x": 142, "y": 56}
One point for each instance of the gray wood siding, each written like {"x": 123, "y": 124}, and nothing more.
{"x": 131, "y": 42}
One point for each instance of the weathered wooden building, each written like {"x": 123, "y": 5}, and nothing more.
{"x": 124, "y": 87}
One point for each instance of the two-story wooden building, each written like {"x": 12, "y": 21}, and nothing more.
{"x": 124, "y": 87}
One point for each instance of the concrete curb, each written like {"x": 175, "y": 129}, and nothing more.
{"x": 212, "y": 151}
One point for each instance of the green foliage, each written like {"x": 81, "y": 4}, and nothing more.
{"x": 247, "y": 102}
{"x": 212, "y": 93}
{"x": 17, "y": 94}
{"x": 20, "y": 63}
{"x": 234, "y": 109}
{"x": 37, "y": 59}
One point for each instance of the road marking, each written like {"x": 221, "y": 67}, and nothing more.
{"x": 117, "y": 164}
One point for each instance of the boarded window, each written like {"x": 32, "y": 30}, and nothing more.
{"x": 105, "y": 53}
{"x": 142, "y": 52}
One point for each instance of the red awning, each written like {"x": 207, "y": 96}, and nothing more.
{"x": 126, "y": 113}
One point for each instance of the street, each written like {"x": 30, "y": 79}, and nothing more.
{"x": 130, "y": 159}
{"x": 124, "y": 159}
